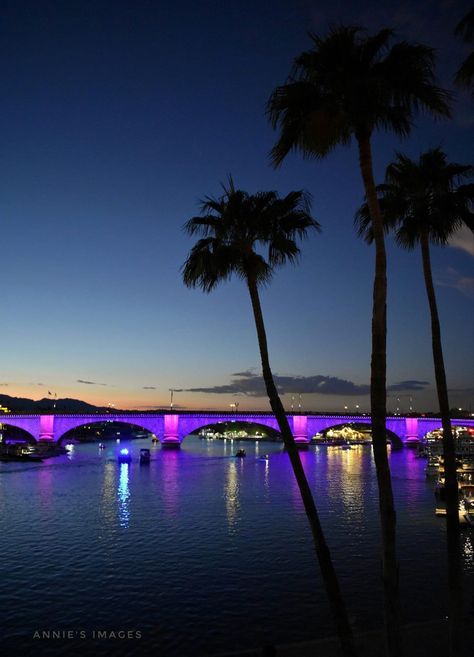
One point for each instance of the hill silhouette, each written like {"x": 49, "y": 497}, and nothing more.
{"x": 25, "y": 405}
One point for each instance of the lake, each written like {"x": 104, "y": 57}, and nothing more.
{"x": 200, "y": 553}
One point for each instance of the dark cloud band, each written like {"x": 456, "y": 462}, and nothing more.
{"x": 252, "y": 385}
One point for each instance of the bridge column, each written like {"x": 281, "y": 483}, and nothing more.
{"x": 171, "y": 432}
{"x": 46, "y": 432}
{"x": 300, "y": 430}
{"x": 411, "y": 431}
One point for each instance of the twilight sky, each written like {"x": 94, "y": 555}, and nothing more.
{"x": 118, "y": 117}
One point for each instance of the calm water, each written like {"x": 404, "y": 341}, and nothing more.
{"x": 203, "y": 553}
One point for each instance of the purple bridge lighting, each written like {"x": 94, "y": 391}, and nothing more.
{"x": 171, "y": 428}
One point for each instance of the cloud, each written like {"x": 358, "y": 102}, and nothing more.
{"x": 91, "y": 383}
{"x": 148, "y": 388}
{"x": 252, "y": 385}
{"x": 4, "y": 385}
{"x": 408, "y": 386}
{"x": 464, "y": 240}
{"x": 453, "y": 279}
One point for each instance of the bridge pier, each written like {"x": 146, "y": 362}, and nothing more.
{"x": 412, "y": 438}
{"x": 300, "y": 431}
{"x": 46, "y": 431}
{"x": 171, "y": 432}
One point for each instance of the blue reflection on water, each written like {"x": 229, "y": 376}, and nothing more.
{"x": 123, "y": 495}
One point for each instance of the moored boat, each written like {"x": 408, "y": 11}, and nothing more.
{"x": 19, "y": 453}
{"x": 144, "y": 455}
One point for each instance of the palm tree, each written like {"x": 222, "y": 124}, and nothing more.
{"x": 236, "y": 230}
{"x": 465, "y": 74}
{"x": 425, "y": 204}
{"x": 348, "y": 86}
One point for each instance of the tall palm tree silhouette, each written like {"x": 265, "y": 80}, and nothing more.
{"x": 249, "y": 236}
{"x": 425, "y": 203}
{"x": 348, "y": 86}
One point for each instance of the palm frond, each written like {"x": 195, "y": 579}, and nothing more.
{"x": 422, "y": 197}
{"x": 237, "y": 227}
{"x": 350, "y": 84}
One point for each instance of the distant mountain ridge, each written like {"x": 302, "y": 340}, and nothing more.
{"x": 25, "y": 405}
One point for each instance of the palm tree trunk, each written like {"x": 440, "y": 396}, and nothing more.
{"x": 330, "y": 580}
{"x": 378, "y": 409}
{"x": 451, "y": 484}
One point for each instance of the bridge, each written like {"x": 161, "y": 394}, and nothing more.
{"x": 171, "y": 428}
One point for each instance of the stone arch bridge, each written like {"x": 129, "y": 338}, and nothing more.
{"x": 171, "y": 428}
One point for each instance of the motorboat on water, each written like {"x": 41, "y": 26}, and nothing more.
{"x": 124, "y": 456}
{"x": 144, "y": 455}
{"x": 240, "y": 454}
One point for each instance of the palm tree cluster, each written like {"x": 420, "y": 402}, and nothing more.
{"x": 348, "y": 86}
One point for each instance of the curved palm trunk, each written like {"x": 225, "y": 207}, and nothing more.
{"x": 322, "y": 551}
{"x": 451, "y": 484}
{"x": 379, "y": 411}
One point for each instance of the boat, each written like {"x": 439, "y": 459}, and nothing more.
{"x": 124, "y": 456}
{"x": 19, "y": 452}
{"x": 240, "y": 453}
{"x": 101, "y": 446}
{"x": 144, "y": 455}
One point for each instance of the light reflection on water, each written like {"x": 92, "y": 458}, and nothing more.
{"x": 123, "y": 495}
{"x": 231, "y": 493}
{"x": 183, "y": 547}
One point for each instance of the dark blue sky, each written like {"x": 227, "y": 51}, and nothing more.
{"x": 117, "y": 118}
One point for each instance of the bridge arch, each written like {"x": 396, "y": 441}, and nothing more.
{"x": 240, "y": 426}
{"x": 100, "y": 423}
{"x": 64, "y": 424}
{"x": 189, "y": 424}
{"x": 395, "y": 440}
{"x": 27, "y": 432}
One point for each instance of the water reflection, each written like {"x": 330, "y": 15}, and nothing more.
{"x": 467, "y": 546}
{"x": 266, "y": 477}
{"x": 45, "y": 483}
{"x": 170, "y": 480}
{"x": 108, "y": 492}
{"x": 123, "y": 495}
{"x": 231, "y": 494}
